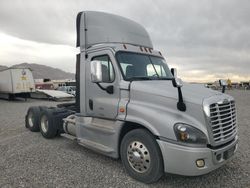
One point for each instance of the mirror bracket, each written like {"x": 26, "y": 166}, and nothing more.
{"x": 180, "y": 104}
{"x": 177, "y": 83}
{"x": 108, "y": 89}
{"x": 174, "y": 82}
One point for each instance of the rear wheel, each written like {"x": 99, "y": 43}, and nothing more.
{"x": 141, "y": 156}
{"x": 32, "y": 119}
{"x": 47, "y": 127}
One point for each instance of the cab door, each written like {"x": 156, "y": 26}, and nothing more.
{"x": 100, "y": 103}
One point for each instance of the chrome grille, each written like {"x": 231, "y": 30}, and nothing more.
{"x": 223, "y": 120}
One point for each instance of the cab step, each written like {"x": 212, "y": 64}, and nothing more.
{"x": 94, "y": 145}
{"x": 68, "y": 136}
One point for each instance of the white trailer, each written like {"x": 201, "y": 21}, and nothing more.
{"x": 16, "y": 82}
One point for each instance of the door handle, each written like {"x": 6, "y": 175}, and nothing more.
{"x": 90, "y": 104}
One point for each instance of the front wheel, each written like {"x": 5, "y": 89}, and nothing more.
{"x": 141, "y": 156}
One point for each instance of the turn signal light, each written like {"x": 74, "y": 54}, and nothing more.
{"x": 183, "y": 136}
{"x": 122, "y": 110}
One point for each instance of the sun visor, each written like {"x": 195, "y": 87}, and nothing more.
{"x": 98, "y": 27}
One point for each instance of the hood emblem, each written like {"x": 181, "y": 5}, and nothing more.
{"x": 225, "y": 101}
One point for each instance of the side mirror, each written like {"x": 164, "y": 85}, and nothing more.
{"x": 177, "y": 82}
{"x": 223, "y": 82}
{"x": 174, "y": 72}
{"x": 96, "y": 71}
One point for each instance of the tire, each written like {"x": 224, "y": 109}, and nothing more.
{"x": 32, "y": 119}
{"x": 11, "y": 97}
{"x": 47, "y": 127}
{"x": 141, "y": 156}
{"x": 42, "y": 108}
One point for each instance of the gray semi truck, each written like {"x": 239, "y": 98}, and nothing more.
{"x": 130, "y": 105}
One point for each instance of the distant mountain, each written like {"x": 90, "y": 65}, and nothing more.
{"x": 3, "y": 67}
{"x": 43, "y": 71}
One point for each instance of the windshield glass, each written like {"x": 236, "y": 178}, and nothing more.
{"x": 143, "y": 67}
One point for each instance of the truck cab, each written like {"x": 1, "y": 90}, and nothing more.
{"x": 131, "y": 105}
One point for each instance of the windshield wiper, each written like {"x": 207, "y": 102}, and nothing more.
{"x": 148, "y": 78}
{"x": 162, "y": 78}
{"x": 140, "y": 78}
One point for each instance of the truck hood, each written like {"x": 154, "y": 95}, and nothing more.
{"x": 193, "y": 93}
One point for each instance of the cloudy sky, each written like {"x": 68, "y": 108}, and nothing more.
{"x": 204, "y": 39}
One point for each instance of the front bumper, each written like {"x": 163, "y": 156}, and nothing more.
{"x": 181, "y": 160}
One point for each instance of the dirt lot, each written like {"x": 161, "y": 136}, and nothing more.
{"x": 29, "y": 160}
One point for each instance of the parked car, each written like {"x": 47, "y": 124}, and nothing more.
{"x": 68, "y": 89}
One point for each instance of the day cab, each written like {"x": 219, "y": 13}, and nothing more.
{"x": 131, "y": 105}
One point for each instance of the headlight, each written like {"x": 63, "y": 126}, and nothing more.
{"x": 189, "y": 135}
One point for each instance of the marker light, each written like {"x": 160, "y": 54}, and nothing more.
{"x": 122, "y": 110}
{"x": 200, "y": 163}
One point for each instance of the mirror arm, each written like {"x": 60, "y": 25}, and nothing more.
{"x": 174, "y": 82}
{"x": 223, "y": 89}
{"x": 180, "y": 104}
{"x": 100, "y": 86}
{"x": 109, "y": 89}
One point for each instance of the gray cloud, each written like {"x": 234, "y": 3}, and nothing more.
{"x": 38, "y": 21}
{"x": 208, "y": 36}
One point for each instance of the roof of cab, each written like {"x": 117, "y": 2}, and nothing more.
{"x": 99, "y": 27}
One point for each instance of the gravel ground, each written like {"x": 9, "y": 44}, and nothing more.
{"x": 29, "y": 160}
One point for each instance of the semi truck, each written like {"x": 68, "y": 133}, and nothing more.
{"x": 131, "y": 106}
{"x": 16, "y": 82}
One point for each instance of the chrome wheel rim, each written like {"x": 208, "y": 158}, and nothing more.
{"x": 31, "y": 119}
{"x": 44, "y": 123}
{"x": 138, "y": 157}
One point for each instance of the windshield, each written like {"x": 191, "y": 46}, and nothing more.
{"x": 143, "y": 67}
